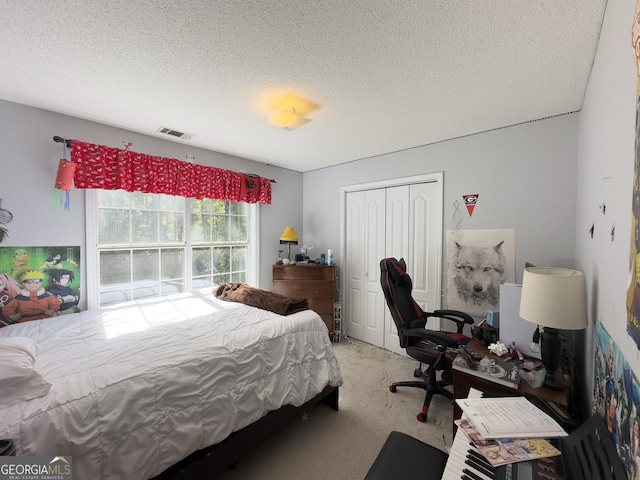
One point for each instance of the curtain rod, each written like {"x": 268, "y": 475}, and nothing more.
{"x": 67, "y": 142}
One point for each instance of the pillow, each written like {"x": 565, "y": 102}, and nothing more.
{"x": 19, "y": 381}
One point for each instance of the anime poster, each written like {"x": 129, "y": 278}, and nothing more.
{"x": 633, "y": 291}
{"x": 38, "y": 282}
{"x": 616, "y": 398}
{"x": 479, "y": 262}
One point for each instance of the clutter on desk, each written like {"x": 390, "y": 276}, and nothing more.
{"x": 485, "y": 332}
{"x": 492, "y": 318}
{"x": 503, "y": 372}
{"x": 498, "y": 348}
{"x": 533, "y": 372}
{"x": 515, "y": 353}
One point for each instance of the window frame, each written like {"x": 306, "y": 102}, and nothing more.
{"x": 93, "y": 261}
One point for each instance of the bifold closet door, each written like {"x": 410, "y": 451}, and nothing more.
{"x": 413, "y": 232}
{"x": 403, "y": 222}
{"x": 397, "y": 246}
{"x": 365, "y": 247}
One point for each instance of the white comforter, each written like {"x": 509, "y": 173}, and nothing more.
{"x": 139, "y": 386}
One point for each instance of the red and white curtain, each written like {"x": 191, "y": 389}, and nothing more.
{"x": 98, "y": 166}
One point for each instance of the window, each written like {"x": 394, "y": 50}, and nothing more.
{"x": 147, "y": 245}
{"x": 219, "y": 232}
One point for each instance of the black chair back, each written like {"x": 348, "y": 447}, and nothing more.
{"x": 590, "y": 452}
{"x": 397, "y": 287}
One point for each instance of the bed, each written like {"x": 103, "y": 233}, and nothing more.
{"x": 147, "y": 388}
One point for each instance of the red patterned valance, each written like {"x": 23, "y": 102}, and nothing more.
{"x": 116, "y": 169}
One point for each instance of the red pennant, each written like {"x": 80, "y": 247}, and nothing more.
{"x": 470, "y": 201}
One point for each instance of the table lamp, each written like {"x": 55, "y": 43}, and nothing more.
{"x": 553, "y": 298}
{"x": 289, "y": 238}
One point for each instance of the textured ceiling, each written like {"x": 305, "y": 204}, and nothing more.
{"x": 386, "y": 75}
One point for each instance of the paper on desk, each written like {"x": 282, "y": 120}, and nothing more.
{"x": 508, "y": 450}
{"x": 509, "y": 417}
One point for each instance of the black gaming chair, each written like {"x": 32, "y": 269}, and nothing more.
{"x": 436, "y": 349}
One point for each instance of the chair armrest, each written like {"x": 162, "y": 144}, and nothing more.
{"x": 460, "y": 318}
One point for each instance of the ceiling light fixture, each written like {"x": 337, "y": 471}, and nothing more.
{"x": 285, "y": 117}
{"x": 288, "y": 111}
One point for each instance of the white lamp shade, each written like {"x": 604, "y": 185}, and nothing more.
{"x": 554, "y": 297}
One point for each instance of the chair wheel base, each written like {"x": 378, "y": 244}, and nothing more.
{"x": 393, "y": 389}
{"x": 422, "y": 417}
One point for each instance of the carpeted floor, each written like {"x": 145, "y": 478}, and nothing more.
{"x": 342, "y": 445}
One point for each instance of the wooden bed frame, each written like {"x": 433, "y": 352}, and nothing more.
{"x": 205, "y": 463}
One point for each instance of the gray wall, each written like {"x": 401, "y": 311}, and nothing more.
{"x": 605, "y": 175}
{"x": 30, "y": 161}
{"x": 525, "y": 176}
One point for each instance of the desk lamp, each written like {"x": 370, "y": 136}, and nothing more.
{"x": 553, "y": 298}
{"x": 289, "y": 238}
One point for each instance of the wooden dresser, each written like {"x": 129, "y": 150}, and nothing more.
{"x": 313, "y": 282}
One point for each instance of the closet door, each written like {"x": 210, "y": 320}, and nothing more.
{"x": 425, "y": 246}
{"x": 413, "y": 232}
{"x": 402, "y": 221}
{"x": 354, "y": 265}
{"x": 397, "y": 246}
{"x": 365, "y": 247}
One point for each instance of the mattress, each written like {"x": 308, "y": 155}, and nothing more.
{"x": 138, "y": 386}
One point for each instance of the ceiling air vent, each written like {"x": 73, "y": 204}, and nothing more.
{"x": 175, "y": 133}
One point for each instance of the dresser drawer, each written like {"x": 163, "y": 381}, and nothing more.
{"x": 298, "y": 272}
{"x": 303, "y": 288}
{"x": 328, "y": 321}
{"x": 321, "y": 306}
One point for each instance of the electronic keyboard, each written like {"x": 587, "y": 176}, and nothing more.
{"x": 467, "y": 463}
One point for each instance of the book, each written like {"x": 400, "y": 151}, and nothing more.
{"x": 503, "y": 372}
{"x": 505, "y": 451}
{"x": 509, "y": 417}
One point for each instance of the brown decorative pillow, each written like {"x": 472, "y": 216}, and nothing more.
{"x": 255, "y": 297}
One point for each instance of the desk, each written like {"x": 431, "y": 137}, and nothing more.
{"x": 462, "y": 382}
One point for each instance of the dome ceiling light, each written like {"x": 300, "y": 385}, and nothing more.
{"x": 289, "y": 111}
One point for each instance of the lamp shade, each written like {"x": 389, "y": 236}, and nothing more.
{"x": 554, "y": 297}
{"x": 289, "y": 236}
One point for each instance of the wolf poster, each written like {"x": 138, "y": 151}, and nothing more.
{"x": 479, "y": 262}
{"x": 38, "y": 282}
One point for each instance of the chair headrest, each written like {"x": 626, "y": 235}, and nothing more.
{"x": 397, "y": 287}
